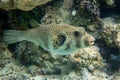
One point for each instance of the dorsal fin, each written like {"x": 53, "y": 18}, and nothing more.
{"x": 34, "y": 23}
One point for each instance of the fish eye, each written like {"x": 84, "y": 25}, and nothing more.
{"x": 61, "y": 39}
{"x": 76, "y": 33}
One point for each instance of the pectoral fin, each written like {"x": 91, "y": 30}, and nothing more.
{"x": 34, "y": 23}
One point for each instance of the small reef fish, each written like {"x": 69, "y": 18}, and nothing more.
{"x": 61, "y": 39}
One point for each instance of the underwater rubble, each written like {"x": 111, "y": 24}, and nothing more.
{"x": 26, "y": 61}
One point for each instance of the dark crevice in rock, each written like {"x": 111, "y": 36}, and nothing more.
{"x": 107, "y": 52}
{"x": 107, "y": 10}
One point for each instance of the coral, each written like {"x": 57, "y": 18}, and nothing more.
{"x": 67, "y": 4}
{"x": 110, "y": 2}
{"x": 82, "y": 65}
{"x": 20, "y": 19}
{"x": 111, "y": 32}
{"x": 25, "y": 5}
{"x": 8, "y": 66}
{"x": 52, "y": 16}
{"x": 87, "y": 6}
{"x": 69, "y": 67}
{"x": 66, "y": 67}
{"x": 116, "y": 76}
{"x": 5, "y": 54}
{"x": 98, "y": 75}
{"x": 106, "y": 6}
{"x": 72, "y": 13}
{"x": 57, "y": 64}
{"x": 83, "y": 56}
{"x": 58, "y": 14}
{"x": 28, "y": 53}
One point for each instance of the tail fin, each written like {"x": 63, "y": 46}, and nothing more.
{"x": 13, "y": 36}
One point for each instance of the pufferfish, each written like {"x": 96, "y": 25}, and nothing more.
{"x": 60, "y": 39}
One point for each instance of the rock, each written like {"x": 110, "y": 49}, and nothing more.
{"x": 111, "y": 32}
{"x": 24, "y": 5}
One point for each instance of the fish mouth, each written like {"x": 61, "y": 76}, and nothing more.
{"x": 91, "y": 42}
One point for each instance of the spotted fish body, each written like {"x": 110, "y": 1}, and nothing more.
{"x": 61, "y": 39}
